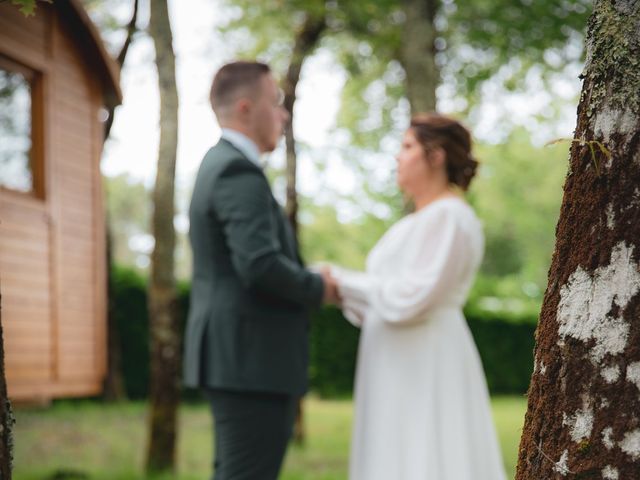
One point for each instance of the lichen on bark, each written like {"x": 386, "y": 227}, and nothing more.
{"x": 613, "y": 41}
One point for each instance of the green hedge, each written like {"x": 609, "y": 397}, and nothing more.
{"x": 132, "y": 319}
{"x": 505, "y": 343}
{"x": 505, "y": 346}
{"x": 129, "y": 304}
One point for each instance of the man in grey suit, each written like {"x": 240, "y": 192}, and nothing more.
{"x": 246, "y": 342}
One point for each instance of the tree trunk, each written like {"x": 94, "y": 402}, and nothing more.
{"x": 114, "y": 382}
{"x": 417, "y": 54}
{"x": 6, "y": 418}
{"x": 163, "y": 321}
{"x": 583, "y": 418}
{"x": 114, "y": 389}
{"x": 131, "y": 30}
{"x": 305, "y": 42}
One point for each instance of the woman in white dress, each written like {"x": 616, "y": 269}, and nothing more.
{"x": 422, "y": 409}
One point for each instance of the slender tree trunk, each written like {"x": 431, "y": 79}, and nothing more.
{"x": 6, "y": 417}
{"x": 583, "y": 418}
{"x": 131, "y": 30}
{"x": 164, "y": 328}
{"x": 114, "y": 389}
{"x": 114, "y": 382}
{"x": 305, "y": 42}
{"x": 417, "y": 54}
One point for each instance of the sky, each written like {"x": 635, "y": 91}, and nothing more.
{"x": 200, "y": 50}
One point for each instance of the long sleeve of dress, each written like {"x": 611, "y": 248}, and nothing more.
{"x": 354, "y": 290}
{"x": 431, "y": 259}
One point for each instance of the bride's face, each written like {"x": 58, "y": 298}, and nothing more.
{"x": 413, "y": 167}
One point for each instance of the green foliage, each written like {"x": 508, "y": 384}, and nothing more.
{"x": 129, "y": 213}
{"x": 517, "y": 195}
{"x": 505, "y": 345}
{"x": 28, "y": 7}
{"x": 504, "y": 339}
{"x": 325, "y": 239}
{"x": 504, "y": 42}
{"x": 129, "y": 216}
{"x": 132, "y": 320}
{"x": 265, "y": 30}
{"x": 333, "y": 352}
{"x": 481, "y": 36}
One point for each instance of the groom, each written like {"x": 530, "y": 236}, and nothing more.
{"x": 246, "y": 336}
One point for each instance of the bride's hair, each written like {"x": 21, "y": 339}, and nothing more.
{"x": 435, "y": 130}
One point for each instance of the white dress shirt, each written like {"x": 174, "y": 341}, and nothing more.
{"x": 244, "y": 144}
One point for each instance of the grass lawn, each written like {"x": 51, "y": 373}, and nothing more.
{"x": 107, "y": 442}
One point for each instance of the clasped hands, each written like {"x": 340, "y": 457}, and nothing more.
{"x": 331, "y": 293}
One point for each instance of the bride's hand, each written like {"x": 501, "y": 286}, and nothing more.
{"x": 331, "y": 292}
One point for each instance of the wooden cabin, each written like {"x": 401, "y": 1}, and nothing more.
{"x": 55, "y": 80}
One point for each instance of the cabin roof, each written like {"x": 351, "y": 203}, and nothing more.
{"x": 86, "y": 33}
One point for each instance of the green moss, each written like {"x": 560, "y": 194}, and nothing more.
{"x": 584, "y": 446}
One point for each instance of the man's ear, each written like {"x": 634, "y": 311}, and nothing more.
{"x": 242, "y": 107}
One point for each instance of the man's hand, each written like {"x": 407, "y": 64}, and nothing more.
{"x": 331, "y": 293}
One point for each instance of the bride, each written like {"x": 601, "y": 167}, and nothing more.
{"x": 422, "y": 409}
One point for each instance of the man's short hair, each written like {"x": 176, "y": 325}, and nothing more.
{"x": 234, "y": 80}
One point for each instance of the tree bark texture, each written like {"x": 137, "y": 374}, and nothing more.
{"x": 163, "y": 321}
{"x": 417, "y": 54}
{"x": 583, "y": 418}
{"x": 305, "y": 42}
{"x": 6, "y": 417}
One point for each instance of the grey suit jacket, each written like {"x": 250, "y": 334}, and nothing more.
{"x": 247, "y": 328}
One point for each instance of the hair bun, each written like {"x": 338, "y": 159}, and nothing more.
{"x": 449, "y": 134}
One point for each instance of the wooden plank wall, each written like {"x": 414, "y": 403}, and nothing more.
{"x": 75, "y": 107}
{"x": 52, "y": 249}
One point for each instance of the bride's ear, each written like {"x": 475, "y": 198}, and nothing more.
{"x": 437, "y": 157}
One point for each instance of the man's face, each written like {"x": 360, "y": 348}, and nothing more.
{"x": 267, "y": 117}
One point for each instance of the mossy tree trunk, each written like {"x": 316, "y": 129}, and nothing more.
{"x": 6, "y": 416}
{"x": 305, "y": 42}
{"x": 163, "y": 319}
{"x": 418, "y": 53}
{"x": 583, "y": 418}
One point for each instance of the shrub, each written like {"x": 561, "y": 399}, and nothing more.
{"x": 505, "y": 342}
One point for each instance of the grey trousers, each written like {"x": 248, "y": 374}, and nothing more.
{"x": 251, "y": 433}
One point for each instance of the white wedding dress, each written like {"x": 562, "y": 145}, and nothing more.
{"x": 422, "y": 409}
